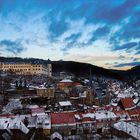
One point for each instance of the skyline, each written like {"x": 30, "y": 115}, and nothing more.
{"x": 104, "y": 33}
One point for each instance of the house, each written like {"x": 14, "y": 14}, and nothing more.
{"x": 63, "y": 123}
{"x": 126, "y": 103}
{"x": 46, "y": 92}
{"x": 66, "y": 84}
{"x": 85, "y": 123}
{"x": 56, "y": 136}
{"x": 134, "y": 114}
{"x": 65, "y": 105}
{"x": 13, "y": 128}
{"x": 38, "y": 111}
{"x": 42, "y": 124}
{"x": 89, "y": 97}
{"x": 129, "y": 129}
{"x": 123, "y": 115}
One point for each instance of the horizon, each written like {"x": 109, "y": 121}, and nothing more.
{"x": 121, "y": 69}
{"x": 97, "y": 33}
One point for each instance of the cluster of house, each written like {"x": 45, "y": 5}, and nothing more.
{"x": 40, "y": 107}
{"x": 39, "y": 122}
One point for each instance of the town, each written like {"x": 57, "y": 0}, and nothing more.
{"x": 35, "y": 104}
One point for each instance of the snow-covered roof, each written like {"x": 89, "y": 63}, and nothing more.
{"x": 66, "y": 81}
{"x": 130, "y": 128}
{"x": 95, "y": 106}
{"x": 32, "y": 106}
{"x": 136, "y": 101}
{"x": 4, "y": 123}
{"x": 43, "y": 121}
{"x": 38, "y": 111}
{"x": 13, "y": 123}
{"x": 83, "y": 94}
{"x": 120, "y": 95}
{"x": 89, "y": 115}
{"x": 114, "y": 104}
{"x": 99, "y": 115}
{"x": 31, "y": 121}
{"x": 45, "y": 88}
{"x": 12, "y": 104}
{"x": 77, "y": 116}
{"x": 65, "y": 103}
{"x": 56, "y": 135}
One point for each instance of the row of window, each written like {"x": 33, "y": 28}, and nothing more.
{"x": 36, "y": 69}
{"x": 20, "y": 66}
{"x": 36, "y": 65}
{"x": 16, "y": 66}
{"x": 22, "y": 69}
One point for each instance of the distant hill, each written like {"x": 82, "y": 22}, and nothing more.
{"x": 83, "y": 69}
{"x": 77, "y": 68}
{"x": 134, "y": 70}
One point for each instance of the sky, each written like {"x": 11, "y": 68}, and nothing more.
{"x": 105, "y": 33}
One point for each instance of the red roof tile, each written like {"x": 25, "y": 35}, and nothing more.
{"x": 63, "y": 118}
{"x": 127, "y": 103}
{"x": 86, "y": 120}
{"x": 121, "y": 112}
{"x": 134, "y": 112}
{"x": 7, "y": 115}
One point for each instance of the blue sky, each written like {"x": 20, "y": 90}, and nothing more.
{"x": 101, "y": 32}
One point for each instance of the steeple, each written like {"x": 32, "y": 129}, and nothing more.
{"x": 90, "y": 78}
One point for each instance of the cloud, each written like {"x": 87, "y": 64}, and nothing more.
{"x": 126, "y": 46}
{"x": 128, "y": 64}
{"x": 58, "y": 28}
{"x": 72, "y": 30}
{"x": 136, "y": 59}
{"x": 16, "y": 27}
{"x": 138, "y": 52}
{"x": 14, "y": 47}
{"x": 73, "y": 37}
{"x": 78, "y": 35}
{"x": 114, "y": 12}
{"x": 102, "y": 31}
{"x": 121, "y": 57}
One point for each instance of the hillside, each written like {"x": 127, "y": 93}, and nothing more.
{"x": 83, "y": 69}
{"x": 77, "y": 68}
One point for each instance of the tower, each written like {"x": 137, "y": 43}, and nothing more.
{"x": 0, "y": 66}
{"x": 49, "y": 67}
{"x": 90, "y": 79}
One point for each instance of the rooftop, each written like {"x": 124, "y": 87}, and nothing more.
{"x": 65, "y": 103}
{"x": 127, "y": 103}
{"x": 63, "y": 118}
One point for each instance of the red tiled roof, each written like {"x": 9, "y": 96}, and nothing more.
{"x": 86, "y": 120}
{"x": 63, "y": 118}
{"x": 7, "y": 115}
{"x": 121, "y": 112}
{"x": 133, "y": 112}
{"x": 127, "y": 103}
